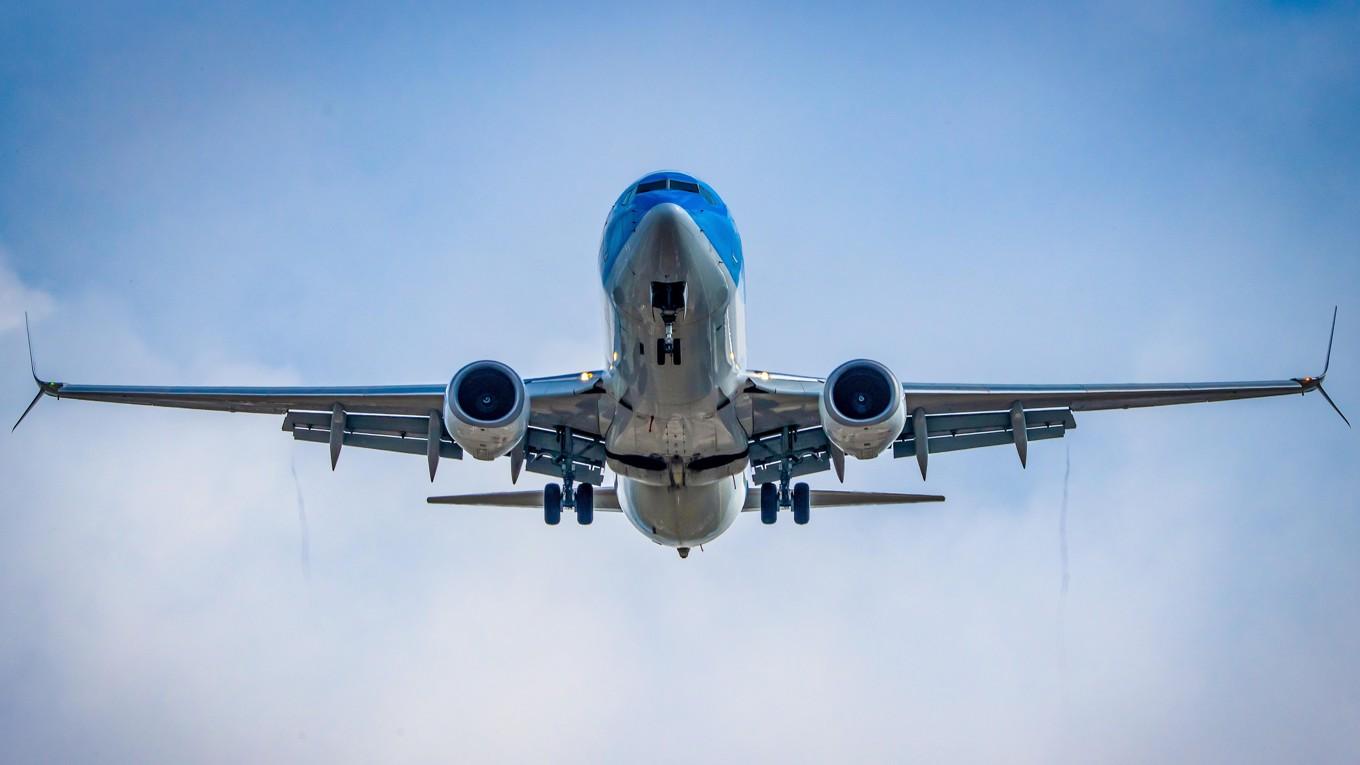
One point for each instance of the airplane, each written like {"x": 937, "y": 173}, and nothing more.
{"x": 692, "y": 435}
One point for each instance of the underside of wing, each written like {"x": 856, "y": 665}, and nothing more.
{"x": 954, "y": 398}
{"x": 378, "y": 399}
{"x": 560, "y": 437}
{"x": 789, "y": 440}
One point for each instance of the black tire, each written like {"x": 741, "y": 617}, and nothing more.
{"x": 675, "y": 351}
{"x": 661, "y": 352}
{"x": 585, "y": 504}
{"x": 552, "y": 504}
{"x": 802, "y": 503}
{"x": 769, "y": 503}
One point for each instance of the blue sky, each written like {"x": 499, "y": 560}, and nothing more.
{"x": 328, "y": 194}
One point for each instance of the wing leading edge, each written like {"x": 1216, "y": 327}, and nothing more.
{"x": 964, "y": 416}
{"x": 398, "y": 418}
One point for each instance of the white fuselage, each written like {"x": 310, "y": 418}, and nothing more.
{"x": 675, "y": 438}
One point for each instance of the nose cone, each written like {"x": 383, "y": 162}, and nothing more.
{"x": 666, "y": 223}
{"x": 668, "y": 242}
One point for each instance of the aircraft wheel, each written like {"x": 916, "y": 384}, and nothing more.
{"x": 585, "y": 504}
{"x": 769, "y": 503}
{"x": 802, "y": 503}
{"x": 552, "y": 504}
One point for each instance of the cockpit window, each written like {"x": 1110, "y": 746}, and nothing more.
{"x": 674, "y": 184}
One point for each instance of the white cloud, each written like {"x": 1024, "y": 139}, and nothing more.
{"x": 16, "y": 298}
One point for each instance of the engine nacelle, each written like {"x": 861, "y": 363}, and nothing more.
{"x": 486, "y": 409}
{"x": 862, "y": 408}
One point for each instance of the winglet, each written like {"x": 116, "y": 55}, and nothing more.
{"x": 33, "y": 368}
{"x": 1326, "y": 364}
{"x": 1334, "y": 406}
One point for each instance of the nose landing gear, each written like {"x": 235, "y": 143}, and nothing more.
{"x": 668, "y": 346}
{"x": 669, "y": 299}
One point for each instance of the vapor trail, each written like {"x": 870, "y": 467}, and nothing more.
{"x": 1062, "y": 519}
{"x": 305, "y": 551}
{"x": 1062, "y": 592}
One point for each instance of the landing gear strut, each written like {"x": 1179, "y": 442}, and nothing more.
{"x": 568, "y": 494}
{"x": 773, "y": 497}
{"x": 669, "y": 299}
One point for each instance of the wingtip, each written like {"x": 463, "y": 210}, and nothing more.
{"x": 1335, "y": 408}
{"x": 44, "y": 385}
{"x": 28, "y": 409}
{"x": 32, "y": 365}
{"x": 1327, "y": 363}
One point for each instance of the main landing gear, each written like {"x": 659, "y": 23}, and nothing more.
{"x": 773, "y": 497}
{"x": 582, "y": 500}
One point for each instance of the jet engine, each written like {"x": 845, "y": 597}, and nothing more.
{"x": 486, "y": 409}
{"x": 862, "y": 408}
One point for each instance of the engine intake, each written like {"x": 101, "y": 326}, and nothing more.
{"x": 486, "y": 409}
{"x": 862, "y": 408}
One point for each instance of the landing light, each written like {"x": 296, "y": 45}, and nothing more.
{"x": 585, "y": 376}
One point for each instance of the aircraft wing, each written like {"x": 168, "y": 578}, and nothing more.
{"x": 398, "y": 418}
{"x": 953, "y": 416}
{"x": 378, "y": 399}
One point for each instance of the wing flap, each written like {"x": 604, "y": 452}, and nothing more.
{"x": 907, "y": 447}
{"x": 410, "y": 445}
{"x": 376, "y": 424}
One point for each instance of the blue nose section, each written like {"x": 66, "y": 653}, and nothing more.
{"x": 672, "y": 196}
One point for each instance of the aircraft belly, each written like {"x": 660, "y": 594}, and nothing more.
{"x": 682, "y": 516}
{"x": 670, "y": 412}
